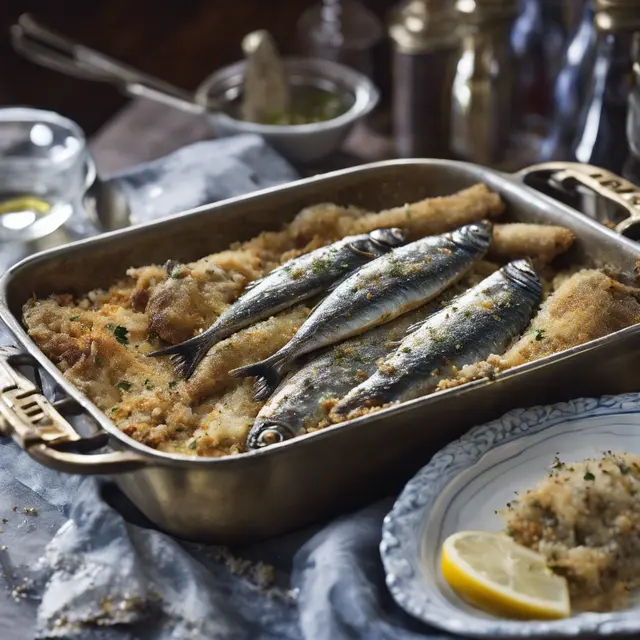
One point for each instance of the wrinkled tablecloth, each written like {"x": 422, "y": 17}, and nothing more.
{"x": 79, "y": 561}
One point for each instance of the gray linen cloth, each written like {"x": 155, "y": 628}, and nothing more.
{"x": 79, "y": 561}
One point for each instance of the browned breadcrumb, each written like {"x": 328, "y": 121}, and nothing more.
{"x": 179, "y": 307}
{"x": 261, "y": 574}
{"x": 585, "y": 519}
{"x": 99, "y": 340}
{"x": 246, "y": 346}
{"x": 587, "y": 305}
{"x": 519, "y": 240}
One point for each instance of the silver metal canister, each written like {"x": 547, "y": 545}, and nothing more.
{"x": 424, "y": 43}
{"x": 483, "y": 100}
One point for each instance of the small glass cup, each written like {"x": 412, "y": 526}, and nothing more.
{"x": 45, "y": 168}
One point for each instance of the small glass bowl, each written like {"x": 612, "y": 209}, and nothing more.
{"x": 45, "y": 168}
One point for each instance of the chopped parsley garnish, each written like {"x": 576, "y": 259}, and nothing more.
{"x": 74, "y": 318}
{"x": 99, "y": 361}
{"x": 123, "y": 385}
{"x": 319, "y": 266}
{"x": 114, "y": 409}
{"x": 121, "y": 334}
{"x": 539, "y": 334}
{"x": 193, "y": 444}
{"x": 339, "y": 354}
{"x": 396, "y": 270}
{"x": 176, "y": 271}
{"x": 172, "y": 384}
{"x": 147, "y": 384}
{"x": 589, "y": 476}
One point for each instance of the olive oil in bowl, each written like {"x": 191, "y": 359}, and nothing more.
{"x": 309, "y": 104}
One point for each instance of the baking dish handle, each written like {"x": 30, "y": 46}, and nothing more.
{"x": 41, "y": 430}
{"x": 616, "y": 190}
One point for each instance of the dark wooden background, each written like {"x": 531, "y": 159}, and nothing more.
{"x": 181, "y": 41}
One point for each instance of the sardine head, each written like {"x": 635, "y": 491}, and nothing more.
{"x": 267, "y": 433}
{"x": 476, "y": 236}
{"x": 388, "y": 238}
{"x": 524, "y": 275}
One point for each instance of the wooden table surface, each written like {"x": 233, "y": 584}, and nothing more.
{"x": 146, "y": 130}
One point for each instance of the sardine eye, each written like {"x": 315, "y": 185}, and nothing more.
{"x": 391, "y": 237}
{"x": 269, "y": 437}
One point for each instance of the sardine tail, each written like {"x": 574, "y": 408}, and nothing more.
{"x": 268, "y": 374}
{"x": 186, "y": 356}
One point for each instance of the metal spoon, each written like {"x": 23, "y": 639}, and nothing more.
{"x": 265, "y": 87}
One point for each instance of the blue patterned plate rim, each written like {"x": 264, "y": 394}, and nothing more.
{"x": 400, "y": 545}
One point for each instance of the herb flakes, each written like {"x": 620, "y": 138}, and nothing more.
{"x": 121, "y": 333}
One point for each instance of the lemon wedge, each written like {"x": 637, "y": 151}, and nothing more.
{"x": 494, "y": 573}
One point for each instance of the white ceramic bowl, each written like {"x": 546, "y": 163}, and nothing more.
{"x": 467, "y": 481}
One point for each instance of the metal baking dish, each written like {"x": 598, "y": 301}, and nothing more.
{"x": 270, "y": 491}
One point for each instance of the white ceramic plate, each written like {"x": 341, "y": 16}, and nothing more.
{"x": 468, "y": 480}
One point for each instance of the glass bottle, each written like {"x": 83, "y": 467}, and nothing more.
{"x": 538, "y": 39}
{"x": 344, "y": 31}
{"x": 570, "y": 89}
{"x": 602, "y": 137}
{"x": 632, "y": 167}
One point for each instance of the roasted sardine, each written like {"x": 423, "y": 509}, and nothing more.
{"x": 480, "y": 322}
{"x": 382, "y": 290}
{"x": 296, "y": 281}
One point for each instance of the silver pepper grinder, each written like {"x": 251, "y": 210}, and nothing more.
{"x": 424, "y": 45}
{"x": 483, "y": 95}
